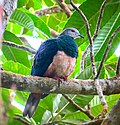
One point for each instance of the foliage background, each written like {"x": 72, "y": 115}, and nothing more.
{"x": 23, "y": 22}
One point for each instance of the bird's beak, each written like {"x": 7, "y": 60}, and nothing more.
{"x": 81, "y": 36}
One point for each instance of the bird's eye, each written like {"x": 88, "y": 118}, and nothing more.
{"x": 72, "y": 30}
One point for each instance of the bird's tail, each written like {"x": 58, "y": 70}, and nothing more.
{"x": 32, "y": 103}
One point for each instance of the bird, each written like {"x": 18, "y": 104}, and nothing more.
{"x": 55, "y": 58}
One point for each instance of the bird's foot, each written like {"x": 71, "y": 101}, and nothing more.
{"x": 61, "y": 79}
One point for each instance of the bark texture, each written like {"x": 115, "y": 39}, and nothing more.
{"x": 49, "y": 85}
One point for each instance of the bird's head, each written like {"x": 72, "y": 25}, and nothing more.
{"x": 72, "y": 32}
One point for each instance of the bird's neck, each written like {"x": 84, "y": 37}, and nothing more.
{"x": 67, "y": 44}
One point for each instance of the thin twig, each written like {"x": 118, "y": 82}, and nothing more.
{"x": 118, "y": 67}
{"x": 107, "y": 49}
{"x": 19, "y": 46}
{"x": 93, "y": 122}
{"x": 99, "y": 19}
{"x": 83, "y": 59}
{"x": 78, "y": 107}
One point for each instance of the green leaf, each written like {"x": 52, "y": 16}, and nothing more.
{"x": 77, "y": 66}
{"x": 39, "y": 24}
{"x": 14, "y": 28}
{"x": 96, "y": 106}
{"x": 55, "y": 21}
{"x": 22, "y": 3}
{"x": 22, "y": 19}
{"x": 8, "y": 36}
{"x": 16, "y": 68}
{"x": 92, "y": 15}
{"x": 15, "y": 54}
{"x": 66, "y": 108}
{"x": 104, "y": 33}
{"x": 77, "y": 115}
{"x": 37, "y": 4}
{"x": 90, "y": 12}
{"x": 49, "y": 2}
{"x": 87, "y": 73}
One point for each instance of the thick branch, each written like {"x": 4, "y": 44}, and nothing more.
{"x": 46, "y": 85}
{"x": 113, "y": 118}
{"x": 9, "y": 7}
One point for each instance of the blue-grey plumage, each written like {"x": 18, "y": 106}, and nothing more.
{"x": 55, "y": 58}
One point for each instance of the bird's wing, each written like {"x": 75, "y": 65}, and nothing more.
{"x": 44, "y": 57}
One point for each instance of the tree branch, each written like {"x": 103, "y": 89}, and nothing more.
{"x": 78, "y": 107}
{"x": 49, "y": 85}
{"x": 64, "y": 7}
{"x": 19, "y": 46}
{"x": 9, "y": 7}
{"x": 51, "y": 10}
{"x": 118, "y": 67}
{"x": 83, "y": 58}
{"x": 113, "y": 117}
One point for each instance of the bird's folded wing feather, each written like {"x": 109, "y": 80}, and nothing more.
{"x": 44, "y": 57}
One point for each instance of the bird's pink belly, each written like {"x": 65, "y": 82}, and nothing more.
{"x": 61, "y": 67}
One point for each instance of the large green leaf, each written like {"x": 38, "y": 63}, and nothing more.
{"x": 102, "y": 38}
{"x": 16, "y": 68}
{"x": 47, "y": 107}
{"x": 96, "y": 106}
{"x": 76, "y": 116}
{"x": 67, "y": 108}
{"x": 55, "y": 21}
{"x": 47, "y": 115}
{"x": 22, "y": 19}
{"x": 104, "y": 33}
{"x": 15, "y": 54}
{"x": 14, "y": 28}
{"x": 39, "y": 24}
{"x": 8, "y": 36}
{"x": 87, "y": 73}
